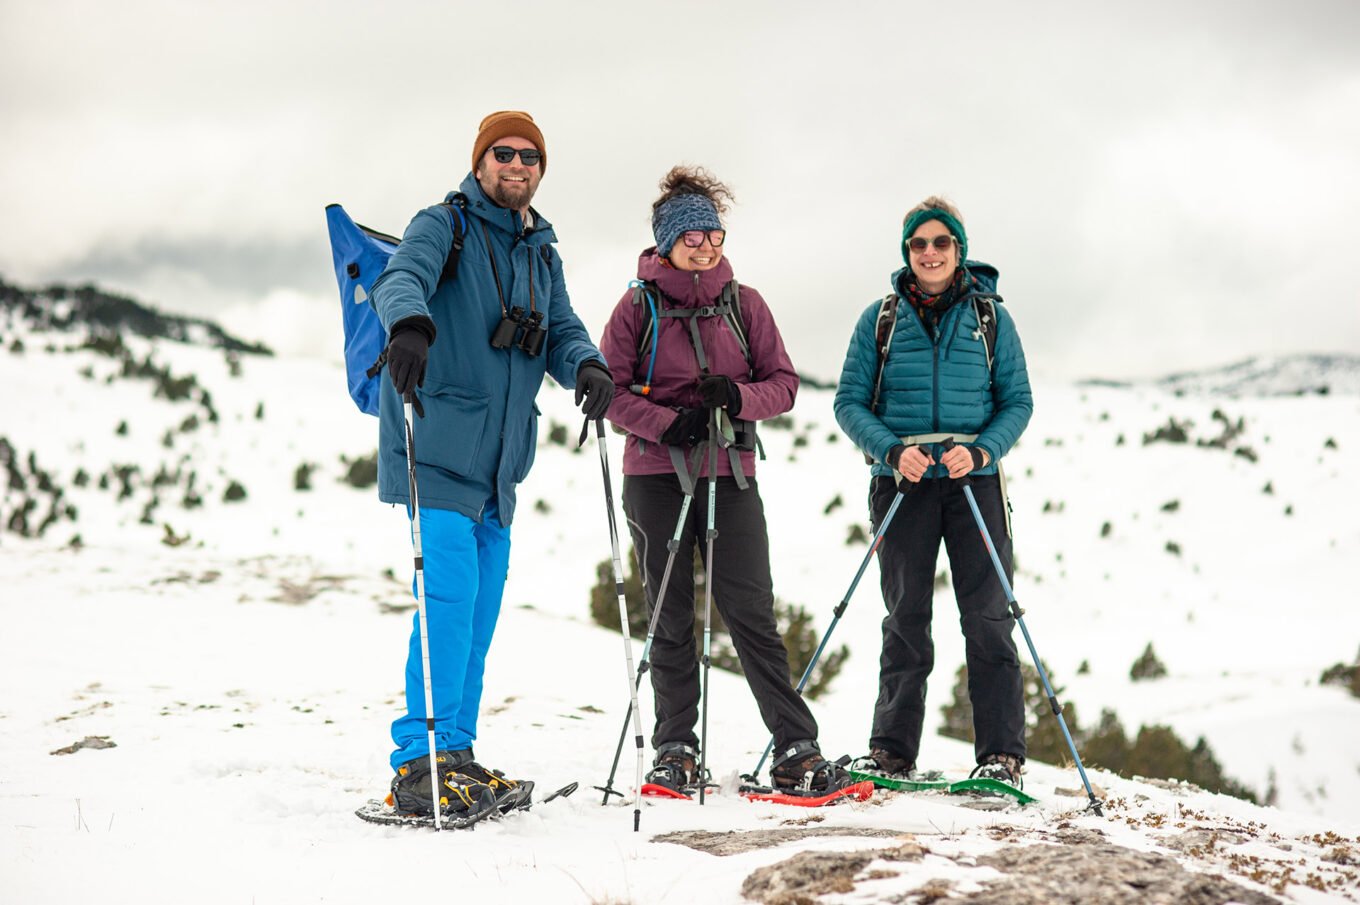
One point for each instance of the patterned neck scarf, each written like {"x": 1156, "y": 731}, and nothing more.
{"x": 930, "y": 308}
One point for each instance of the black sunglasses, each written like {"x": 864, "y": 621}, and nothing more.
{"x": 527, "y": 156}
{"x": 918, "y": 243}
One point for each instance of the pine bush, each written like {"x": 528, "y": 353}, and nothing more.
{"x": 796, "y": 627}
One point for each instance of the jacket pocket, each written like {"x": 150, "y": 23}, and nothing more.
{"x": 530, "y": 445}
{"x": 454, "y": 424}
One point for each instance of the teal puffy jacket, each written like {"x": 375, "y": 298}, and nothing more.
{"x": 935, "y": 385}
{"x": 480, "y": 430}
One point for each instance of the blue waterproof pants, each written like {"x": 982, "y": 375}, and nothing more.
{"x": 465, "y": 570}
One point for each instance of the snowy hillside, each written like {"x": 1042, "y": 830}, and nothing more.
{"x": 196, "y": 598}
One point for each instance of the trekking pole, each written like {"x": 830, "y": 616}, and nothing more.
{"x": 967, "y": 483}
{"x": 420, "y": 609}
{"x": 903, "y": 488}
{"x": 623, "y": 625}
{"x": 644, "y": 662}
{"x": 708, "y": 594}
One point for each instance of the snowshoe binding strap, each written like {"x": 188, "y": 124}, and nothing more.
{"x": 881, "y": 760}
{"x": 1001, "y": 767}
{"x": 459, "y": 793}
{"x": 675, "y": 767}
{"x": 509, "y": 792}
{"x": 802, "y": 769}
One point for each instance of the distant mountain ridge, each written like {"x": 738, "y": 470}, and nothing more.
{"x": 67, "y": 308}
{"x": 1285, "y": 375}
{"x": 1290, "y": 375}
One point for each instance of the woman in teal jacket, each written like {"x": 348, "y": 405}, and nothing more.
{"x": 947, "y": 373}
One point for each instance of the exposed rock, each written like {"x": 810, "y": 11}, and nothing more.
{"x": 1201, "y": 840}
{"x": 804, "y": 877}
{"x": 1101, "y": 874}
{"x": 738, "y": 843}
{"x": 807, "y": 875}
{"x": 1079, "y": 868}
{"x": 89, "y": 741}
{"x": 933, "y": 891}
{"x": 1176, "y": 786}
{"x": 1080, "y": 836}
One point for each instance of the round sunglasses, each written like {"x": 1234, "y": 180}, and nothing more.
{"x": 693, "y": 238}
{"x": 918, "y": 244}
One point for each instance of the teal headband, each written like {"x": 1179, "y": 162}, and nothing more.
{"x": 934, "y": 213}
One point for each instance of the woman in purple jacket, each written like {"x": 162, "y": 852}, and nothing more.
{"x": 676, "y": 357}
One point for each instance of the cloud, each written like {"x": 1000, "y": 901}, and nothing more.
{"x": 1180, "y": 177}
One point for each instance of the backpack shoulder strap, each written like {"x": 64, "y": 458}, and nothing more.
{"x": 884, "y": 326}
{"x": 729, "y": 303}
{"x": 647, "y": 295}
{"x": 456, "y": 209}
{"x": 984, "y": 306}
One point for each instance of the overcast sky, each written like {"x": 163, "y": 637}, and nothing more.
{"x": 1163, "y": 186}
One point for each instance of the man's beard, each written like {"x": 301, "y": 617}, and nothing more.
{"x": 511, "y": 196}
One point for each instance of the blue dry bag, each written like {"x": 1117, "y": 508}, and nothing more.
{"x": 360, "y": 255}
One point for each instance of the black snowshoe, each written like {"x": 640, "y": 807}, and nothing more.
{"x": 1001, "y": 767}
{"x": 675, "y": 770}
{"x": 802, "y": 770}
{"x": 883, "y": 762}
{"x": 468, "y": 793}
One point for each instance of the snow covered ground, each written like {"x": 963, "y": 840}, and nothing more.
{"x": 247, "y": 675}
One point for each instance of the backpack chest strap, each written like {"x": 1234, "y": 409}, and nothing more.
{"x": 691, "y": 317}
{"x": 705, "y": 311}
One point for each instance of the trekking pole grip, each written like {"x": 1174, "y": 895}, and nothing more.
{"x": 964, "y": 480}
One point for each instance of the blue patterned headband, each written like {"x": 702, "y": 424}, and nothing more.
{"x": 681, "y": 214}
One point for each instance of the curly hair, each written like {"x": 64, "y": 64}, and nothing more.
{"x": 685, "y": 180}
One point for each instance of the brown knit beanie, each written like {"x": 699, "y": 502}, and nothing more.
{"x": 504, "y": 123}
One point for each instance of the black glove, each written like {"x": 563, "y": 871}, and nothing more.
{"x": 595, "y": 385}
{"x": 408, "y": 351}
{"x": 690, "y": 428}
{"x": 718, "y": 391}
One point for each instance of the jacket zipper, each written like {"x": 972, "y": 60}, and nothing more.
{"x": 934, "y": 380}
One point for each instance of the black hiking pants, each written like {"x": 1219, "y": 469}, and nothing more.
{"x": 742, "y": 594}
{"x": 937, "y": 510}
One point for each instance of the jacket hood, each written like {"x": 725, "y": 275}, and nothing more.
{"x": 498, "y": 217}
{"x": 689, "y": 288}
{"x": 985, "y": 274}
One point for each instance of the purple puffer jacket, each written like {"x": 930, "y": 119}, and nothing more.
{"x": 767, "y": 392}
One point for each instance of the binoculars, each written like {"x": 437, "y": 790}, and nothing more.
{"x": 521, "y": 331}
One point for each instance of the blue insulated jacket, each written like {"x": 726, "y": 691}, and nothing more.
{"x": 480, "y": 430}
{"x": 935, "y": 385}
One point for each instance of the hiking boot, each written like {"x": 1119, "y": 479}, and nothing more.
{"x": 458, "y": 792}
{"x": 802, "y": 768}
{"x": 1003, "y": 767}
{"x": 881, "y": 760}
{"x": 508, "y": 792}
{"x": 676, "y": 767}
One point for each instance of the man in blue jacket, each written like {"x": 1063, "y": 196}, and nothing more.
{"x": 471, "y": 352}
{"x": 939, "y": 379}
